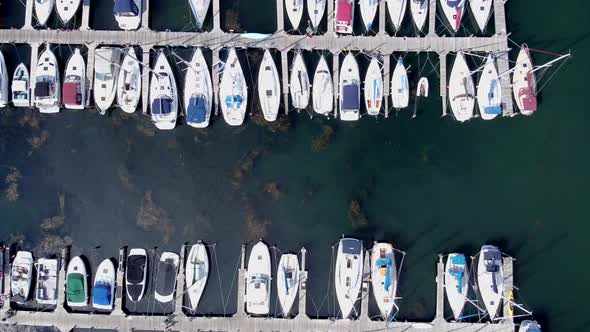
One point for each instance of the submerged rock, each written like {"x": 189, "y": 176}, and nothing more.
{"x": 52, "y": 244}
{"x": 245, "y": 165}
{"x": 12, "y": 178}
{"x": 356, "y": 215}
{"x": 254, "y": 229}
{"x": 273, "y": 189}
{"x": 37, "y": 141}
{"x": 152, "y": 217}
{"x": 53, "y": 223}
{"x": 146, "y": 128}
{"x": 125, "y": 178}
{"x": 321, "y": 142}
{"x": 281, "y": 124}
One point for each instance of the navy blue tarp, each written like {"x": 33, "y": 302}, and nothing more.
{"x": 351, "y": 246}
{"x": 125, "y": 8}
{"x": 350, "y": 97}
{"x": 196, "y": 110}
{"x": 162, "y": 106}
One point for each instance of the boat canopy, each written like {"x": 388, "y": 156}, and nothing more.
{"x": 75, "y": 288}
{"x": 102, "y": 294}
{"x": 135, "y": 268}
{"x": 229, "y": 100}
{"x": 125, "y": 8}
{"x": 458, "y": 260}
{"x": 350, "y": 97}
{"x": 42, "y": 89}
{"x": 70, "y": 94}
{"x": 167, "y": 277}
{"x": 344, "y": 11}
{"x": 385, "y": 263}
{"x": 196, "y": 110}
{"x": 162, "y": 106}
{"x": 351, "y": 246}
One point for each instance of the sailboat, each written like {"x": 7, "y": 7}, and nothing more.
{"x": 135, "y": 274}
{"x": 287, "y": 281}
{"x": 128, "y": 13}
{"x": 106, "y": 71}
{"x": 103, "y": 292}
{"x": 316, "y": 10}
{"x": 400, "y": 89}
{"x": 294, "y": 9}
{"x": 43, "y": 9}
{"x": 3, "y": 82}
{"x": 129, "y": 82}
{"x": 461, "y": 90}
{"x": 456, "y": 283}
{"x": 21, "y": 276}
{"x": 453, "y": 10}
{"x": 344, "y": 20}
{"x": 397, "y": 11}
{"x": 419, "y": 10}
{"x": 269, "y": 87}
{"x": 166, "y": 276}
{"x": 47, "y": 89}
{"x": 373, "y": 88}
{"x": 323, "y": 88}
{"x": 384, "y": 278}
{"x": 368, "y": 11}
{"x": 258, "y": 280}
{"x": 21, "y": 87}
{"x": 74, "y": 85}
{"x": 349, "y": 89}
{"x": 529, "y": 326}
{"x": 198, "y": 91}
{"x": 299, "y": 83}
{"x": 199, "y": 9}
{"x": 76, "y": 283}
{"x": 490, "y": 278}
{"x": 489, "y": 91}
{"x": 524, "y": 83}
{"x": 348, "y": 274}
{"x": 197, "y": 273}
{"x": 66, "y": 9}
{"x": 47, "y": 274}
{"x": 233, "y": 91}
{"x": 482, "y": 10}
{"x": 163, "y": 95}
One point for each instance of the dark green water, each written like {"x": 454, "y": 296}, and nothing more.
{"x": 428, "y": 185}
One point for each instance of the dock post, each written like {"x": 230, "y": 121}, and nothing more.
{"x": 386, "y": 67}
{"x": 280, "y": 16}
{"x": 215, "y": 67}
{"x": 28, "y": 16}
{"x": 508, "y": 268}
{"x": 335, "y": 73}
{"x": 500, "y": 17}
{"x": 216, "y": 16}
{"x": 33, "y": 68}
{"x": 242, "y": 284}
{"x": 503, "y": 63}
{"x": 302, "y": 314}
{"x": 145, "y": 15}
{"x": 119, "y": 290}
{"x": 61, "y": 281}
{"x": 382, "y": 17}
{"x": 90, "y": 72}
{"x": 285, "y": 78}
{"x": 145, "y": 79}
{"x": 364, "y": 313}
{"x": 443, "y": 81}
{"x": 330, "y": 17}
{"x": 432, "y": 18}
{"x": 85, "y": 15}
{"x": 440, "y": 290}
{"x": 180, "y": 283}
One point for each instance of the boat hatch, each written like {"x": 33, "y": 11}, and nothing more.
{"x": 196, "y": 112}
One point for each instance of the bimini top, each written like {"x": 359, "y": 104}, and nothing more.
{"x": 195, "y": 111}
{"x": 162, "y": 106}
{"x": 344, "y": 11}
{"x": 70, "y": 94}
{"x": 350, "y": 97}
{"x": 102, "y": 294}
{"x": 42, "y": 89}
{"x": 125, "y": 8}
{"x": 351, "y": 246}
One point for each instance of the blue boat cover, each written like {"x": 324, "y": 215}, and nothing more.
{"x": 125, "y": 7}
{"x": 102, "y": 294}
{"x": 351, "y": 246}
{"x": 492, "y": 110}
{"x": 162, "y": 106}
{"x": 237, "y": 99}
{"x": 386, "y": 262}
{"x": 350, "y": 97}
{"x": 458, "y": 260}
{"x": 196, "y": 110}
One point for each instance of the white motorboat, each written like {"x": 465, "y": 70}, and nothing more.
{"x": 269, "y": 87}
{"x": 299, "y": 83}
{"x": 489, "y": 91}
{"x": 136, "y": 274}
{"x": 199, "y": 9}
{"x": 287, "y": 281}
{"x": 482, "y": 10}
{"x": 47, "y": 88}
{"x": 344, "y": 20}
{"x": 163, "y": 95}
{"x": 456, "y": 283}
{"x": 3, "y": 82}
{"x": 66, "y": 9}
{"x": 258, "y": 279}
{"x": 419, "y": 10}
{"x": 490, "y": 278}
{"x": 129, "y": 82}
{"x": 21, "y": 87}
{"x": 166, "y": 277}
{"x": 21, "y": 277}
{"x": 529, "y": 326}
{"x": 128, "y": 13}
{"x": 197, "y": 273}
{"x": 198, "y": 96}
{"x": 47, "y": 275}
{"x": 397, "y": 11}
{"x": 294, "y": 9}
{"x": 400, "y": 88}
{"x": 349, "y": 89}
{"x": 76, "y": 283}
{"x": 103, "y": 292}
{"x": 233, "y": 91}
{"x": 461, "y": 90}
{"x": 316, "y": 10}
{"x": 323, "y": 88}
{"x": 384, "y": 278}
{"x": 368, "y": 10}
{"x": 43, "y": 9}
{"x": 423, "y": 87}
{"x": 524, "y": 83}
{"x": 373, "y": 88}
{"x": 106, "y": 72}
{"x": 348, "y": 274}
{"x": 74, "y": 85}
{"x": 453, "y": 10}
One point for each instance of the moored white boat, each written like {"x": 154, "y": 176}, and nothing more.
{"x": 397, "y": 11}
{"x": 197, "y": 273}
{"x": 21, "y": 86}
{"x": 373, "y": 88}
{"x": 400, "y": 89}
{"x": 136, "y": 274}
{"x": 199, "y": 9}
{"x": 456, "y": 283}
{"x": 166, "y": 277}
{"x": 349, "y": 89}
{"x": 529, "y": 326}
{"x": 103, "y": 292}
{"x": 128, "y": 13}
{"x": 384, "y": 278}
{"x": 47, "y": 275}
{"x": 423, "y": 87}
{"x": 419, "y": 10}
{"x": 287, "y": 281}
{"x": 453, "y": 10}
{"x": 299, "y": 83}
{"x": 3, "y": 82}
{"x": 489, "y": 91}
{"x": 233, "y": 91}
{"x": 21, "y": 277}
{"x": 258, "y": 279}
{"x": 316, "y": 10}
{"x": 76, "y": 283}
{"x": 66, "y": 9}
{"x": 198, "y": 96}
{"x": 348, "y": 274}
{"x": 47, "y": 88}
{"x": 344, "y": 20}
{"x": 163, "y": 95}
{"x": 490, "y": 279}
{"x": 323, "y": 88}
{"x": 106, "y": 72}
{"x": 461, "y": 90}
{"x": 368, "y": 10}
{"x": 524, "y": 83}
{"x": 43, "y": 9}
{"x": 129, "y": 82}
{"x": 74, "y": 85}
{"x": 269, "y": 87}
{"x": 294, "y": 9}
{"x": 482, "y": 10}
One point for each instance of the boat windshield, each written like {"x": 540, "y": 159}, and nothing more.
{"x": 104, "y": 76}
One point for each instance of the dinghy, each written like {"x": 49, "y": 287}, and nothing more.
{"x": 21, "y": 277}
{"x": 294, "y": 9}
{"x": 316, "y": 10}
{"x": 299, "y": 83}
{"x": 419, "y": 10}
{"x": 350, "y": 86}
{"x": 106, "y": 72}
{"x": 3, "y": 81}
{"x": 166, "y": 277}
{"x": 344, "y": 19}
{"x": 524, "y": 83}
{"x": 66, "y": 9}
{"x": 287, "y": 281}
{"x": 197, "y": 273}
{"x": 373, "y": 88}
{"x": 489, "y": 91}
{"x": 128, "y": 13}
{"x": 258, "y": 280}
{"x": 47, "y": 91}
{"x": 199, "y": 9}
{"x": 269, "y": 87}
{"x": 163, "y": 95}
{"x": 482, "y": 10}
{"x": 323, "y": 88}
{"x": 400, "y": 88}
{"x": 233, "y": 91}
{"x": 197, "y": 95}
{"x": 423, "y": 87}
{"x": 348, "y": 274}
{"x": 47, "y": 274}
{"x": 74, "y": 86}
{"x": 490, "y": 278}
{"x": 368, "y": 11}
{"x": 76, "y": 283}
{"x": 453, "y": 10}
{"x": 103, "y": 292}
{"x": 384, "y": 278}
{"x": 43, "y": 9}
{"x": 456, "y": 283}
{"x": 21, "y": 88}
{"x": 461, "y": 90}
{"x": 397, "y": 11}
{"x": 529, "y": 326}
{"x": 135, "y": 274}
{"x": 129, "y": 82}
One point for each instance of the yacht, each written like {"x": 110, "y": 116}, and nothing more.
{"x": 299, "y": 83}
{"x": 21, "y": 87}
{"x": 350, "y": 89}
{"x": 524, "y": 83}
{"x": 166, "y": 276}
{"x": 197, "y": 273}
{"x": 384, "y": 278}
{"x": 348, "y": 274}
{"x": 103, "y": 292}
{"x": 294, "y": 9}
{"x": 419, "y": 10}
{"x": 47, "y": 276}
{"x": 43, "y": 9}
{"x": 397, "y": 11}
{"x": 287, "y": 281}
{"x": 400, "y": 89}
{"x": 233, "y": 91}
{"x": 76, "y": 283}
{"x": 316, "y": 10}
{"x": 323, "y": 88}
{"x": 456, "y": 283}
{"x": 461, "y": 90}
{"x": 482, "y": 10}
{"x": 344, "y": 19}
{"x": 490, "y": 279}
{"x": 453, "y": 10}
{"x": 74, "y": 85}
{"x": 489, "y": 91}
{"x": 128, "y": 13}
{"x": 66, "y": 9}
{"x": 21, "y": 277}
{"x": 373, "y": 88}
{"x": 163, "y": 95}
{"x": 106, "y": 71}
{"x": 3, "y": 82}
{"x": 47, "y": 90}
{"x": 269, "y": 87}
{"x": 258, "y": 280}
{"x": 368, "y": 10}
{"x": 198, "y": 92}
{"x": 199, "y": 9}
{"x": 129, "y": 82}
{"x": 136, "y": 274}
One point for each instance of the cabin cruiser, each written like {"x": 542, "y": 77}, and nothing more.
{"x": 258, "y": 280}
{"x": 350, "y": 87}
{"x": 348, "y": 274}
{"x": 21, "y": 87}
{"x": 3, "y": 82}
{"x": 163, "y": 95}
{"x": 21, "y": 277}
{"x": 129, "y": 82}
{"x": 47, "y": 89}
{"x": 106, "y": 72}
{"x": 128, "y": 13}
{"x": 74, "y": 85}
